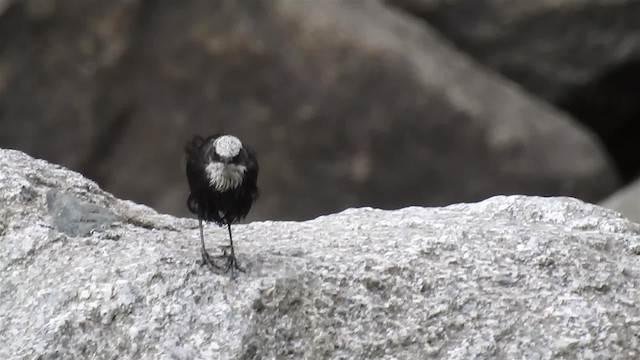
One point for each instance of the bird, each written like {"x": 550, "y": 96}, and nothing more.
{"x": 222, "y": 174}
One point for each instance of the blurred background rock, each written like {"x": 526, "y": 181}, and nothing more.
{"x": 348, "y": 103}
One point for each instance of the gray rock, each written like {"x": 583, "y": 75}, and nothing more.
{"x": 581, "y": 55}
{"x": 626, "y": 201}
{"x": 509, "y": 277}
{"x": 75, "y": 217}
{"x": 550, "y": 47}
{"x": 380, "y": 111}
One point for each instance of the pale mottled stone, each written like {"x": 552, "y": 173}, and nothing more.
{"x": 509, "y": 277}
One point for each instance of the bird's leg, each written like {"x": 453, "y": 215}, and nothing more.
{"x": 206, "y": 259}
{"x": 232, "y": 262}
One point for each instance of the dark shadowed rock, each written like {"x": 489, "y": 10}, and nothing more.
{"x": 347, "y": 103}
{"x": 582, "y": 55}
{"x": 55, "y": 72}
{"x": 550, "y": 47}
{"x": 609, "y": 106}
{"x": 509, "y": 277}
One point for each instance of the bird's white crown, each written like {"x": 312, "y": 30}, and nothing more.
{"x": 227, "y": 146}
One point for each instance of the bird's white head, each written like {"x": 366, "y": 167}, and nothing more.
{"x": 226, "y": 175}
{"x": 227, "y": 146}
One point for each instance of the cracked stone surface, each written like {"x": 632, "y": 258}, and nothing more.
{"x": 509, "y": 277}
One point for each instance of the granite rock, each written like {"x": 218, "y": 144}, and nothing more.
{"x": 508, "y": 277}
{"x": 75, "y": 217}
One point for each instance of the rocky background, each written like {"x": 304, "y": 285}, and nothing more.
{"x": 348, "y": 103}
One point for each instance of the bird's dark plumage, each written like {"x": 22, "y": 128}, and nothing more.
{"x": 222, "y": 174}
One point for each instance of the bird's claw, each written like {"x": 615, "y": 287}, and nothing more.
{"x": 232, "y": 264}
{"x": 206, "y": 259}
{"x": 224, "y": 249}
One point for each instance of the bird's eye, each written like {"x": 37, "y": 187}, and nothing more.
{"x": 236, "y": 159}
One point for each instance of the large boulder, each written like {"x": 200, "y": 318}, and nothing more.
{"x": 347, "y": 103}
{"x": 509, "y": 277}
{"x": 550, "y": 47}
{"x": 582, "y": 55}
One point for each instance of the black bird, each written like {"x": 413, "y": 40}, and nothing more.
{"x": 222, "y": 175}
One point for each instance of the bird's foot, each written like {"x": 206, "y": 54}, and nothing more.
{"x": 232, "y": 264}
{"x": 206, "y": 259}
{"x": 224, "y": 249}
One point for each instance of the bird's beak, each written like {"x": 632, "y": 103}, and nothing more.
{"x": 225, "y": 160}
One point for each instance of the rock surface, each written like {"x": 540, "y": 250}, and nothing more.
{"x": 509, "y": 277}
{"x": 75, "y": 217}
{"x": 380, "y": 111}
{"x": 626, "y": 201}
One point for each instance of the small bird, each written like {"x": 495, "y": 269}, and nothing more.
{"x": 222, "y": 175}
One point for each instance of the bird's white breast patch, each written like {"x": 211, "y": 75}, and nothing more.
{"x": 227, "y": 146}
{"x": 225, "y": 177}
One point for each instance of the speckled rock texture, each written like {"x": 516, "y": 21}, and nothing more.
{"x": 509, "y": 277}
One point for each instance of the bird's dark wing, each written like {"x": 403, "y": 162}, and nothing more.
{"x": 251, "y": 176}
{"x": 196, "y": 175}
